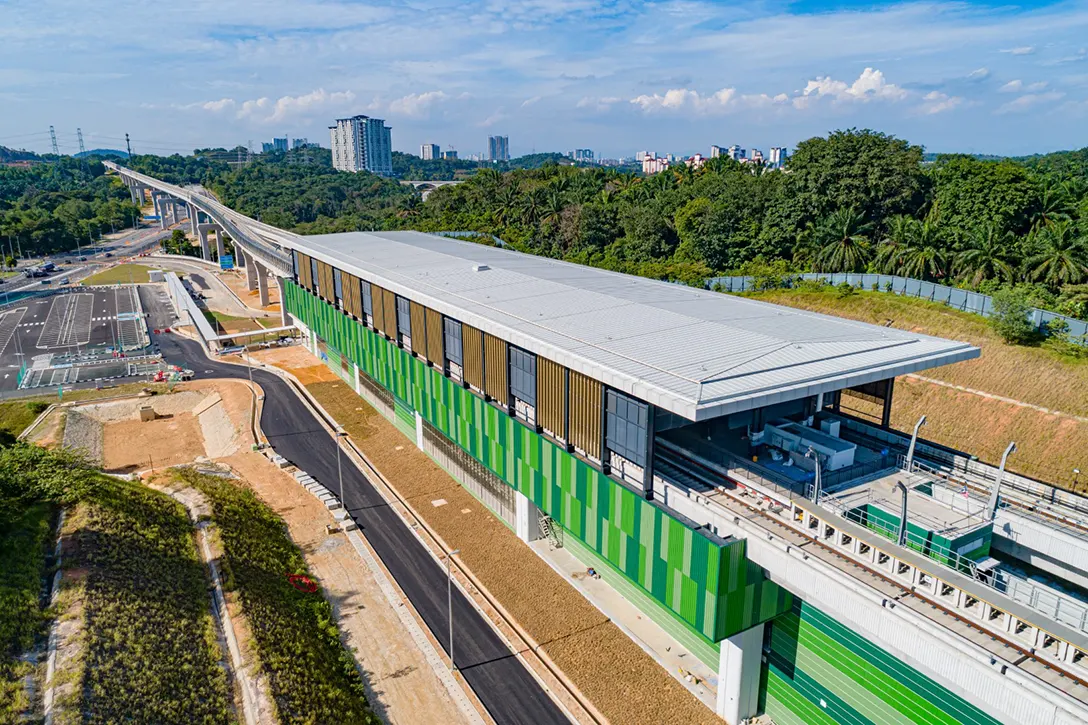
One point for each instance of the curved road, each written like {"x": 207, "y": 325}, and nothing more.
{"x": 502, "y": 683}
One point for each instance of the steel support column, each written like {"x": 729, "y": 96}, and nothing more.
{"x": 886, "y": 414}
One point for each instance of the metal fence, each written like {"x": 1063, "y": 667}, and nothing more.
{"x": 959, "y": 299}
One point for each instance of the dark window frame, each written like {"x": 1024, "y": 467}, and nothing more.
{"x": 315, "y": 277}
{"x": 453, "y": 341}
{"x": 368, "y": 299}
{"x": 627, "y": 421}
{"x": 403, "y": 308}
{"x": 522, "y": 375}
{"x": 338, "y": 285}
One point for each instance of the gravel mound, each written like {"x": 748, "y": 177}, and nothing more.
{"x": 85, "y": 434}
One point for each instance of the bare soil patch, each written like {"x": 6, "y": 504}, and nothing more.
{"x": 133, "y": 445}
{"x": 298, "y": 361}
{"x": 621, "y": 680}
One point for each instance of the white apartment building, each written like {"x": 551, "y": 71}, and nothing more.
{"x": 361, "y": 143}
{"x": 430, "y": 151}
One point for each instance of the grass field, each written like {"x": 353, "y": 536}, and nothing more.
{"x": 312, "y": 677}
{"x": 149, "y": 647}
{"x": 1049, "y": 446}
{"x": 24, "y": 545}
{"x": 226, "y": 324}
{"x": 121, "y": 274}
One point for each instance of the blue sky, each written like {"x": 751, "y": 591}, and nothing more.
{"x": 616, "y": 76}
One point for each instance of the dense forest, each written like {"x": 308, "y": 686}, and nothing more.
{"x": 47, "y": 207}
{"x": 854, "y": 200}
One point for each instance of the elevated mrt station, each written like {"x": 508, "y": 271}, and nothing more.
{"x": 689, "y": 445}
{"x": 696, "y": 451}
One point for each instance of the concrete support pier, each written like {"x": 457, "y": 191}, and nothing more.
{"x": 285, "y": 319}
{"x": 738, "y": 675}
{"x": 526, "y": 518}
{"x": 262, "y": 283}
{"x": 251, "y": 272}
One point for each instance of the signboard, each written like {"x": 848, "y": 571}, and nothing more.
{"x": 226, "y": 261}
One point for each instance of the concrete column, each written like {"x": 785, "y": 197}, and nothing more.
{"x": 219, "y": 243}
{"x": 194, "y": 219}
{"x": 262, "y": 283}
{"x": 202, "y": 233}
{"x": 251, "y": 272}
{"x": 526, "y": 518}
{"x": 358, "y": 385}
{"x": 419, "y": 431}
{"x": 738, "y": 675}
{"x": 285, "y": 318}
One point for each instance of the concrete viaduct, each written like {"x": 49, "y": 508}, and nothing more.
{"x": 263, "y": 250}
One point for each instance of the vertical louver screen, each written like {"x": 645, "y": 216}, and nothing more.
{"x": 419, "y": 329}
{"x": 473, "y": 346}
{"x": 495, "y": 366}
{"x": 585, "y": 414}
{"x": 434, "y": 338}
{"x": 551, "y": 397}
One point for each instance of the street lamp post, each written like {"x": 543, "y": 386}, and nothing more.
{"x": 913, "y": 441}
{"x": 449, "y": 601}
{"x": 339, "y": 467}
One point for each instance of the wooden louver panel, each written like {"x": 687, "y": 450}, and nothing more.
{"x": 389, "y": 303}
{"x": 496, "y": 369}
{"x": 435, "y": 351}
{"x": 472, "y": 342}
{"x": 377, "y": 297}
{"x": 353, "y": 298}
{"x": 551, "y": 396}
{"x": 585, "y": 413}
{"x": 324, "y": 282}
{"x": 305, "y": 275}
{"x": 417, "y": 313}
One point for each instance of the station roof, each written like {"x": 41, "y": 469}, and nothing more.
{"x": 696, "y": 353}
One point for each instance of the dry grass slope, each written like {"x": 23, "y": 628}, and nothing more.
{"x": 1049, "y": 446}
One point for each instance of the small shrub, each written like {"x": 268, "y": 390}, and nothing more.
{"x": 37, "y": 407}
{"x": 888, "y": 287}
{"x": 875, "y": 287}
{"x": 1010, "y": 316}
{"x": 845, "y": 290}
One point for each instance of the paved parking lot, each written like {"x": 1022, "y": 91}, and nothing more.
{"x": 70, "y": 337}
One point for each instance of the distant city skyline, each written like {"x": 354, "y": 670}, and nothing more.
{"x": 961, "y": 76}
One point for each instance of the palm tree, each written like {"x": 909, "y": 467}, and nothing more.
{"x": 1054, "y": 205}
{"x": 988, "y": 255}
{"x": 902, "y": 230}
{"x": 531, "y": 205}
{"x": 927, "y": 255}
{"x": 1062, "y": 257}
{"x": 844, "y": 246}
{"x": 553, "y": 206}
{"x": 507, "y": 204}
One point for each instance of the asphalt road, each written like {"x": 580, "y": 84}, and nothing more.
{"x": 499, "y": 679}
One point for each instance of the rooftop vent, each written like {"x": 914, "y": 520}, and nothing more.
{"x": 480, "y": 268}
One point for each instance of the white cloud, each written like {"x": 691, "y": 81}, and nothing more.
{"x": 604, "y": 103}
{"x": 417, "y": 105}
{"x": 497, "y": 117}
{"x": 936, "y": 102}
{"x": 220, "y": 105}
{"x": 265, "y": 110}
{"x": 870, "y": 85}
{"x": 683, "y": 98}
{"x": 530, "y": 101}
{"x": 1020, "y": 50}
{"x": 1018, "y": 86}
{"x": 1029, "y": 101}
{"x": 979, "y": 74}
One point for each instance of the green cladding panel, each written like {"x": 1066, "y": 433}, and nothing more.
{"x": 708, "y": 584}
{"x": 819, "y": 672}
